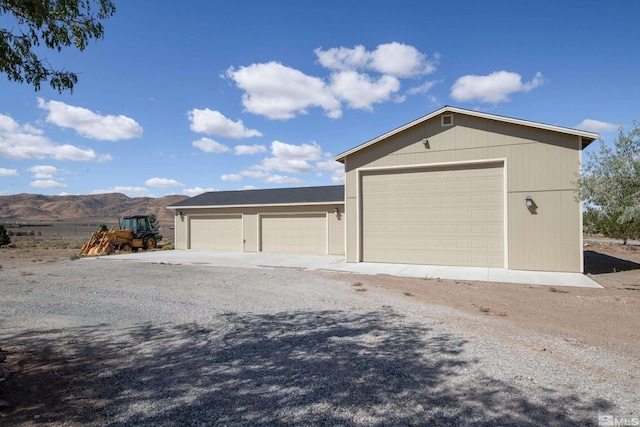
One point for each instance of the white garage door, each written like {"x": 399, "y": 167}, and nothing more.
{"x": 303, "y": 233}
{"x": 443, "y": 216}
{"x": 219, "y": 232}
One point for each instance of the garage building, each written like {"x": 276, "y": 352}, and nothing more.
{"x": 298, "y": 220}
{"x": 464, "y": 188}
{"x": 453, "y": 188}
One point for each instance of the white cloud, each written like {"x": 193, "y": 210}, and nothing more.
{"x": 249, "y": 187}
{"x": 336, "y": 169}
{"x": 361, "y": 91}
{"x": 597, "y": 126}
{"x": 43, "y": 171}
{"x": 210, "y": 146}
{"x": 423, "y": 88}
{"x": 26, "y": 142}
{"x": 249, "y": 149}
{"x": 401, "y": 60}
{"x": 47, "y": 183}
{"x": 191, "y": 192}
{"x": 494, "y": 88}
{"x": 299, "y": 152}
{"x": 215, "y": 123}
{"x": 231, "y": 177}
{"x": 126, "y": 190}
{"x": 89, "y": 124}
{"x": 8, "y": 172}
{"x": 287, "y": 158}
{"x": 163, "y": 183}
{"x": 269, "y": 178}
{"x": 393, "y": 59}
{"x": 290, "y": 158}
{"x": 279, "y": 92}
{"x": 279, "y": 179}
{"x": 285, "y": 165}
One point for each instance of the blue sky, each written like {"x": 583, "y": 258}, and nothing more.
{"x": 253, "y": 94}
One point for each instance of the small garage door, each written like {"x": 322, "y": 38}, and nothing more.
{"x": 304, "y": 233}
{"x": 219, "y": 232}
{"x": 443, "y": 216}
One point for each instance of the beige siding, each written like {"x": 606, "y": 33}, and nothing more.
{"x": 351, "y": 232}
{"x": 334, "y": 235}
{"x": 439, "y": 216}
{"x": 180, "y": 230}
{"x": 550, "y": 231}
{"x": 301, "y": 233}
{"x": 218, "y": 232}
{"x": 250, "y": 231}
{"x": 538, "y": 161}
{"x": 335, "y": 232}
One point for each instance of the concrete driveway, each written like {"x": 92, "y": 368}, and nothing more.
{"x": 337, "y": 263}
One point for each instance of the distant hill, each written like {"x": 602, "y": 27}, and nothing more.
{"x": 36, "y": 207}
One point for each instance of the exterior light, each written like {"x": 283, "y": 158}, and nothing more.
{"x": 425, "y": 141}
{"x": 336, "y": 211}
{"x": 529, "y": 201}
{"x": 179, "y": 213}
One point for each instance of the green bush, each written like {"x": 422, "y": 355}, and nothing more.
{"x": 613, "y": 225}
{"x": 167, "y": 248}
{"x": 4, "y": 237}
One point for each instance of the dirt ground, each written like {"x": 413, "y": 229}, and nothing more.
{"x": 607, "y": 318}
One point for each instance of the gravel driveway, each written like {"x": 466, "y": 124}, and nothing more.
{"x": 129, "y": 343}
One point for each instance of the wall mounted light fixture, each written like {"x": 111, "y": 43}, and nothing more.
{"x": 529, "y": 201}
{"x": 425, "y": 141}
{"x": 336, "y": 211}
{"x": 179, "y": 213}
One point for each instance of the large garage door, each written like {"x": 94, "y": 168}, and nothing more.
{"x": 304, "y": 233}
{"x": 444, "y": 216}
{"x": 219, "y": 232}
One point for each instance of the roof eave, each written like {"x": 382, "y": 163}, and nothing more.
{"x": 590, "y": 136}
{"x": 254, "y": 205}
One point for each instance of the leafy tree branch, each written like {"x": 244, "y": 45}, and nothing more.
{"x": 610, "y": 183}
{"x": 56, "y": 24}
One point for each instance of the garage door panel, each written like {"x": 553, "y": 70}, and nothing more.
{"x": 303, "y": 233}
{"x": 221, "y": 232}
{"x": 455, "y": 218}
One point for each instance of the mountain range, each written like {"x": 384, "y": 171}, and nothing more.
{"x": 37, "y": 207}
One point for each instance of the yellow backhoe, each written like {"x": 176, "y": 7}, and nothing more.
{"x": 135, "y": 233}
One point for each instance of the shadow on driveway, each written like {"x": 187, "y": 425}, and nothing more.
{"x": 292, "y": 368}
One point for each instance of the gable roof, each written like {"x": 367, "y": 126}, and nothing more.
{"x": 272, "y": 196}
{"x": 587, "y": 137}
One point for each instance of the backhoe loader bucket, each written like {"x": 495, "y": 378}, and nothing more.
{"x": 100, "y": 243}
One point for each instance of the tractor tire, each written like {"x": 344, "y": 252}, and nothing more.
{"x": 125, "y": 247}
{"x": 149, "y": 242}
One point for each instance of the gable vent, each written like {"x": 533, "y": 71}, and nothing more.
{"x": 447, "y": 120}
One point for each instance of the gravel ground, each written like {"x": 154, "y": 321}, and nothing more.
{"x": 170, "y": 345}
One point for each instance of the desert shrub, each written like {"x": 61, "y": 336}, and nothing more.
{"x": 4, "y": 237}
{"x": 167, "y": 248}
{"x": 591, "y": 219}
{"x": 612, "y": 225}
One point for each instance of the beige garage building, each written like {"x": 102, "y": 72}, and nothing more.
{"x": 463, "y": 188}
{"x": 299, "y": 220}
{"x": 454, "y": 188}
